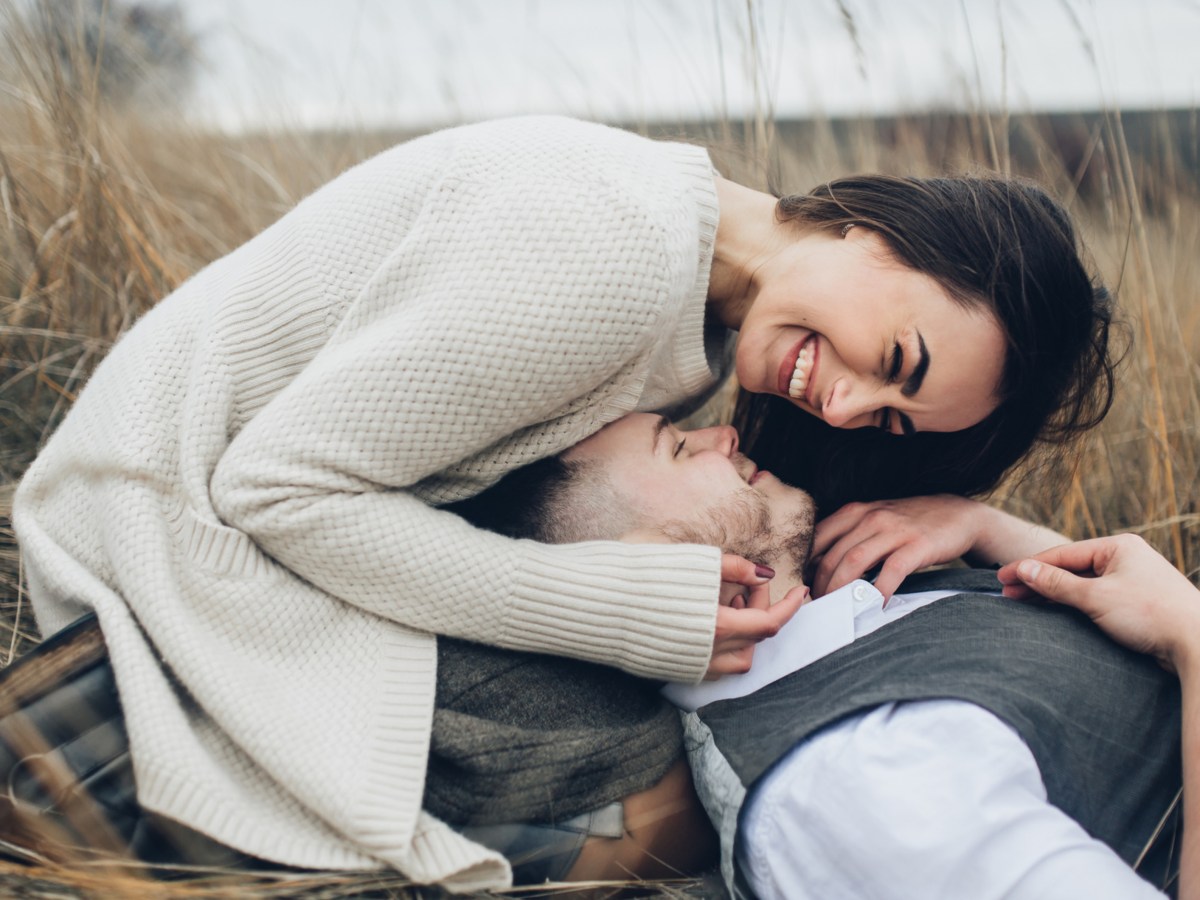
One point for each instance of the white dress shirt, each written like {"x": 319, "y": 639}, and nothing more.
{"x": 928, "y": 799}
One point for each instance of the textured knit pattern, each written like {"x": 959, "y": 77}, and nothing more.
{"x": 526, "y": 737}
{"x": 243, "y": 492}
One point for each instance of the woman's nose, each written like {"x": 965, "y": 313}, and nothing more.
{"x": 850, "y": 405}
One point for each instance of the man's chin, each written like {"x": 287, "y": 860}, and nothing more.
{"x": 793, "y": 519}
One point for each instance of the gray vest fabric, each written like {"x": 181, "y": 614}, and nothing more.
{"x": 522, "y": 737}
{"x": 1102, "y": 722}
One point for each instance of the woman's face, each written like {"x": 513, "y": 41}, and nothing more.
{"x": 852, "y": 336}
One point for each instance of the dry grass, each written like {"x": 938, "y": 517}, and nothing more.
{"x": 33, "y": 877}
{"x": 103, "y": 212}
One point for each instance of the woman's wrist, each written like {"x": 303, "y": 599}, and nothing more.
{"x": 999, "y": 537}
{"x": 995, "y": 535}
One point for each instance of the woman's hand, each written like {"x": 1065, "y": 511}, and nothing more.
{"x": 905, "y": 535}
{"x": 910, "y": 534}
{"x": 1124, "y": 586}
{"x": 746, "y": 614}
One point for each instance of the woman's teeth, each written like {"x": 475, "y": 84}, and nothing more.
{"x": 800, "y": 374}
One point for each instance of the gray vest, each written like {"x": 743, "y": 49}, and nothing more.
{"x": 1102, "y": 722}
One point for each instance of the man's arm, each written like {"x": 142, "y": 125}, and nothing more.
{"x": 1189, "y": 872}
{"x": 1142, "y": 601}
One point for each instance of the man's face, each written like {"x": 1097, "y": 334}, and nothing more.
{"x": 694, "y": 486}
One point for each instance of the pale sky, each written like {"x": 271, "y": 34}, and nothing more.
{"x": 323, "y": 63}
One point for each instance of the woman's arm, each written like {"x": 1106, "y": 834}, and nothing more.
{"x": 509, "y": 322}
{"x": 909, "y": 534}
{"x": 1142, "y": 601}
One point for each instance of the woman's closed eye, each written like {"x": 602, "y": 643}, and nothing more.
{"x": 886, "y": 417}
{"x": 897, "y": 364}
{"x": 885, "y": 420}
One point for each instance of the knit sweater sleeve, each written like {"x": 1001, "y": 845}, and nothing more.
{"x": 509, "y": 308}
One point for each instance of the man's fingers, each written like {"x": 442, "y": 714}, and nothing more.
{"x": 1054, "y": 583}
{"x": 1018, "y": 591}
{"x": 1082, "y": 556}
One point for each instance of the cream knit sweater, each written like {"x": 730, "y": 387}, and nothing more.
{"x": 243, "y": 491}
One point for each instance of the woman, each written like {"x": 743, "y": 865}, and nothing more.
{"x": 1143, "y": 602}
{"x": 244, "y": 491}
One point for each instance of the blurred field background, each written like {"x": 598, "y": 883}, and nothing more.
{"x": 110, "y": 197}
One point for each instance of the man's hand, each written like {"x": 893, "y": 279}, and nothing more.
{"x": 746, "y": 614}
{"x": 1137, "y": 597}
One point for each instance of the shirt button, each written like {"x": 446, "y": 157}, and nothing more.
{"x": 864, "y": 596}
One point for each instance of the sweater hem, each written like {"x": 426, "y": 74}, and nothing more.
{"x": 647, "y": 608}
{"x": 181, "y": 798}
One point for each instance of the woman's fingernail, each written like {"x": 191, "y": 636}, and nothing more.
{"x": 1029, "y": 569}
{"x": 764, "y": 571}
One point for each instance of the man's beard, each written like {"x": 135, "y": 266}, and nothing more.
{"x": 742, "y": 525}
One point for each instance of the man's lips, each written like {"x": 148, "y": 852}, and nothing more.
{"x": 745, "y": 468}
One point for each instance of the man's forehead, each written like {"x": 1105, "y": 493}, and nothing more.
{"x": 632, "y": 433}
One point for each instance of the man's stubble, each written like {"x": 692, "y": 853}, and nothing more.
{"x": 742, "y": 525}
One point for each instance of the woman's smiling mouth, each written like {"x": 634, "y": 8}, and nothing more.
{"x": 796, "y": 379}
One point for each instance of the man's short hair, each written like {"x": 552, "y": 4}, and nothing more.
{"x": 551, "y": 500}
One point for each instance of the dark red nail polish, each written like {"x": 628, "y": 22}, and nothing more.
{"x": 764, "y": 571}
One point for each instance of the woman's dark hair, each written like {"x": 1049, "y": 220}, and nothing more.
{"x": 996, "y": 243}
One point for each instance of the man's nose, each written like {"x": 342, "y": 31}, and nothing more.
{"x": 722, "y": 438}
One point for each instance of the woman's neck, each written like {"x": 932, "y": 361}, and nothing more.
{"x": 748, "y": 235}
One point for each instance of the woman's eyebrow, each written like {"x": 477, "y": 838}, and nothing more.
{"x": 913, "y": 383}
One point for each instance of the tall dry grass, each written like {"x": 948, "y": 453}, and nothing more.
{"x": 104, "y": 210}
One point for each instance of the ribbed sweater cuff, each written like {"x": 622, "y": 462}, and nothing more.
{"x": 696, "y": 370}
{"x": 647, "y": 608}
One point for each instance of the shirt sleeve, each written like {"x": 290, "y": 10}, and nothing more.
{"x": 936, "y": 799}
{"x": 497, "y": 314}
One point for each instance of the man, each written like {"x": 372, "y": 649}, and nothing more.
{"x": 530, "y": 755}
{"x": 966, "y": 751}
{"x": 888, "y": 791}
